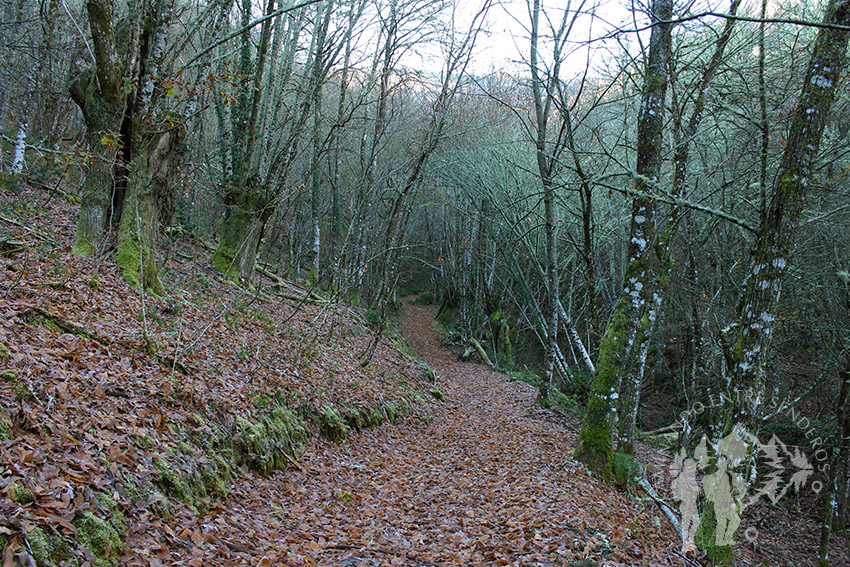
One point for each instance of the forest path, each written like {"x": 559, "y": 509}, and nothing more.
{"x": 483, "y": 479}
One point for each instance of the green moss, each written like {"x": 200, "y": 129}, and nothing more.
{"x": 223, "y": 259}
{"x": 171, "y": 482}
{"x": 129, "y": 259}
{"x": 706, "y": 538}
{"x": 438, "y": 394}
{"x": 4, "y": 353}
{"x": 100, "y": 538}
{"x": 6, "y": 433}
{"x": 269, "y": 442}
{"x": 595, "y": 445}
{"x": 111, "y": 508}
{"x": 344, "y": 495}
{"x": 19, "y": 388}
{"x": 625, "y": 470}
{"x": 83, "y": 248}
{"x": 23, "y": 495}
{"x": 332, "y": 425}
{"x": 215, "y": 479}
{"x": 47, "y": 549}
{"x": 145, "y": 492}
{"x": 184, "y": 448}
{"x": 567, "y": 404}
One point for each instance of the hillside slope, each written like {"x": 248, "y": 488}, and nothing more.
{"x": 123, "y": 417}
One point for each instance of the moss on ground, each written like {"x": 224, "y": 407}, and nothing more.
{"x": 4, "y": 353}
{"x": 332, "y": 425}
{"x": 23, "y": 495}
{"x": 193, "y": 478}
{"x": 100, "y": 538}
{"x": 20, "y": 389}
{"x": 6, "y": 432}
{"x": 267, "y": 442}
{"x": 47, "y": 548}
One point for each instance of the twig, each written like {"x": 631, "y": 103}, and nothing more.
{"x": 38, "y": 234}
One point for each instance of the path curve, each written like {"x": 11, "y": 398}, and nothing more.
{"x": 483, "y": 479}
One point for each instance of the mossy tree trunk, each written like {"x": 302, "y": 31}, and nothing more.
{"x": 838, "y": 468}
{"x": 747, "y": 340}
{"x": 626, "y": 332}
{"x": 248, "y": 210}
{"x": 154, "y": 145}
{"x": 101, "y": 97}
{"x": 152, "y": 138}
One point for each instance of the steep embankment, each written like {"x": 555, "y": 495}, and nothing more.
{"x": 124, "y": 418}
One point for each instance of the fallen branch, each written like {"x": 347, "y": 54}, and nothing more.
{"x": 36, "y": 233}
{"x": 666, "y": 429}
{"x": 644, "y": 483}
{"x": 481, "y": 352}
{"x": 39, "y": 315}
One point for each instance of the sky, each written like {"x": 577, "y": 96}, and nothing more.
{"x": 505, "y": 46}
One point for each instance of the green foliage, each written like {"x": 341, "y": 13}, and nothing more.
{"x": 438, "y": 394}
{"x": 424, "y": 298}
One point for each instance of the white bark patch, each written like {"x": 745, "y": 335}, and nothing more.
{"x": 20, "y": 149}
{"x": 821, "y": 81}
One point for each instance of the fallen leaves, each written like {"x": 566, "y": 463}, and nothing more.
{"x": 477, "y": 475}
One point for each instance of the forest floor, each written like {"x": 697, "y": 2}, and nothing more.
{"x": 185, "y": 431}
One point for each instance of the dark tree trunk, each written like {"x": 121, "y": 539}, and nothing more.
{"x": 102, "y": 99}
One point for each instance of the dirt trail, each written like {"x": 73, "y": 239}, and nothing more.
{"x": 483, "y": 479}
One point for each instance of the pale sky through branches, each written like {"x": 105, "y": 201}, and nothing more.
{"x": 505, "y": 43}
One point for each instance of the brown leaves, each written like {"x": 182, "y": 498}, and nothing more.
{"x": 482, "y": 479}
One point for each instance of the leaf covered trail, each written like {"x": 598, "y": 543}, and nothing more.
{"x": 484, "y": 479}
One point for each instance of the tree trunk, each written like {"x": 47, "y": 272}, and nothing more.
{"x": 101, "y": 98}
{"x": 838, "y": 471}
{"x": 146, "y": 188}
{"x": 747, "y": 341}
{"x": 247, "y": 211}
{"x": 627, "y": 330}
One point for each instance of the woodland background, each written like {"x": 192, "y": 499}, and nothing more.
{"x": 635, "y": 218}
